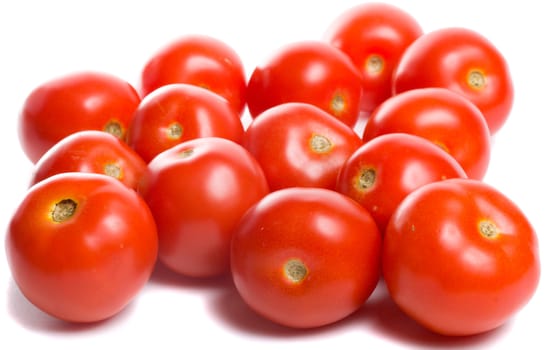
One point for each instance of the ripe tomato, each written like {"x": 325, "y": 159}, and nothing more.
{"x": 464, "y": 61}
{"x": 197, "y": 192}
{"x": 175, "y": 113}
{"x": 374, "y": 36}
{"x": 305, "y": 257}
{"x": 459, "y": 257}
{"x": 91, "y": 151}
{"x": 299, "y": 144}
{"x": 312, "y": 72}
{"x": 386, "y": 169}
{"x": 75, "y": 102}
{"x": 81, "y": 246}
{"x": 199, "y": 60}
{"x": 442, "y": 116}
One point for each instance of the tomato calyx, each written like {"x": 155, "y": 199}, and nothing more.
{"x": 476, "y": 79}
{"x": 114, "y": 127}
{"x": 374, "y": 64}
{"x": 488, "y": 229}
{"x": 320, "y": 144}
{"x": 295, "y": 270}
{"x": 63, "y": 210}
{"x": 175, "y": 131}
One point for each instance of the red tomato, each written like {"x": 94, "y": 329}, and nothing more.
{"x": 298, "y": 144}
{"x": 81, "y": 246}
{"x": 305, "y": 257}
{"x": 441, "y": 116}
{"x": 197, "y": 192}
{"x": 386, "y": 169}
{"x": 464, "y": 61}
{"x": 91, "y": 151}
{"x": 75, "y": 102}
{"x": 198, "y": 60}
{"x": 312, "y": 72}
{"x": 459, "y": 257}
{"x": 374, "y": 36}
{"x": 175, "y": 113}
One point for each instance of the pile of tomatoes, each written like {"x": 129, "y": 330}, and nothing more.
{"x": 362, "y": 161}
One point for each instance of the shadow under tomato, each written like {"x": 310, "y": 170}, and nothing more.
{"x": 29, "y": 316}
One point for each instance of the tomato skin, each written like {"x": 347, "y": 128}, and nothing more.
{"x": 175, "y": 113}
{"x": 444, "y": 272}
{"x": 335, "y": 238}
{"x": 447, "y": 58}
{"x": 198, "y": 60}
{"x": 311, "y": 72}
{"x": 89, "y": 267}
{"x": 442, "y": 116}
{"x": 91, "y": 151}
{"x": 374, "y": 36}
{"x": 299, "y": 144}
{"x": 197, "y": 192}
{"x": 74, "y": 102}
{"x": 380, "y": 173}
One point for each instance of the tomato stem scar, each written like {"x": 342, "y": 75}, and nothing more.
{"x": 320, "y": 144}
{"x": 488, "y": 229}
{"x": 63, "y": 210}
{"x": 366, "y": 178}
{"x": 476, "y": 79}
{"x": 295, "y": 270}
{"x": 337, "y": 105}
{"x": 175, "y": 131}
{"x": 114, "y": 128}
{"x": 374, "y": 64}
{"x": 112, "y": 170}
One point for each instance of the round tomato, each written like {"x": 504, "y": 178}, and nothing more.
{"x": 464, "y": 61}
{"x": 197, "y": 192}
{"x": 442, "y": 116}
{"x": 305, "y": 257}
{"x": 383, "y": 171}
{"x": 374, "y": 36}
{"x": 311, "y": 71}
{"x": 298, "y": 144}
{"x": 459, "y": 257}
{"x": 75, "y": 102}
{"x": 175, "y": 113}
{"x": 198, "y": 60}
{"x": 81, "y": 246}
{"x": 91, "y": 151}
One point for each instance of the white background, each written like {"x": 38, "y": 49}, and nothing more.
{"x": 40, "y": 40}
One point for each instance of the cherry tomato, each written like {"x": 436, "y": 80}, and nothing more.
{"x": 175, "y": 113}
{"x": 81, "y": 246}
{"x": 305, "y": 257}
{"x": 197, "y": 191}
{"x": 383, "y": 171}
{"x": 198, "y": 60}
{"x": 312, "y": 72}
{"x": 299, "y": 144}
{"x": 91, "y": 151}
{"x": 374, "y": 36}
{"x": 460, "y": 257}
{"x": 75, "y": 102}
{"x": 464, "y": 61}
{"x": 442, "y": 116}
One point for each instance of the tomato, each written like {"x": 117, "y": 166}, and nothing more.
{"x": 299, "y": 144}
{"x": 74, "y": 102}
{"x": 374, "y": 36}
{"x": 81, "y": 246}
{"x": 312, "y": 72}
{"x": 175, "y": 113}
{"x": 460, "y": 257}
{"x": 305, "y": 257}
{"x": 198, "y": 60}
{"x": 381, "y": 172}
{"x": 442, "y": 116}
{"x": 464, "y": 61}
{"x": 197, "y": 191}
{"x": 91, "y": 151}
